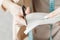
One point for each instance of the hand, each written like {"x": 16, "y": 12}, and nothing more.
{"x": 54, "y": 13}
{"x": 21, "y": 19}
{"x": 16, "y": 11}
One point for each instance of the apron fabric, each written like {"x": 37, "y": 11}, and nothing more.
{"x": 43, "y": 32}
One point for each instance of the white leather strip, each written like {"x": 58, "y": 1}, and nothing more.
{"x": 35, "y": 19}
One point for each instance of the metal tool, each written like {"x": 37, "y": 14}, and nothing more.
{"x": 24, "y": 14}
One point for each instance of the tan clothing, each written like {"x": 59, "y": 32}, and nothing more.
{"x": 43, "y": 32}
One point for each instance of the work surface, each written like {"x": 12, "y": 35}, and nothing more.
{"x": 5, "y": 26}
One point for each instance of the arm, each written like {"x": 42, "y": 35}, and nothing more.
{"x": 54, "y": 13}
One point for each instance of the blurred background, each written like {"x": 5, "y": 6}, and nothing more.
{"x": 5, "y": 26}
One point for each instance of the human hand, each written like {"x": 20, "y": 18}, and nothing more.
{"x": 22, "y": 20}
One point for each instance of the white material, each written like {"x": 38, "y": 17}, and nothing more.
{"x": 35, "y": 19}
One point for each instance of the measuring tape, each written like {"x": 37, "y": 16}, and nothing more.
{"x": 52, "y": 6}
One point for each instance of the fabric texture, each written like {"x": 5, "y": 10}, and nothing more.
{"x": 43, "y": 32}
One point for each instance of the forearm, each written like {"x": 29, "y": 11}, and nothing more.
{"x": 54, "y": 13}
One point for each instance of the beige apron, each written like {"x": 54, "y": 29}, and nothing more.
{"x": 43, "y": 32}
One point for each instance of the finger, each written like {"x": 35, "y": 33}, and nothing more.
{"x": 27, "y": 10}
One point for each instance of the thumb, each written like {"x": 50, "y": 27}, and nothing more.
{"x": 27, "y": 10}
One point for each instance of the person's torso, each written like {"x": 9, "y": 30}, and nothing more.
{"x": 43, "y": 6}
